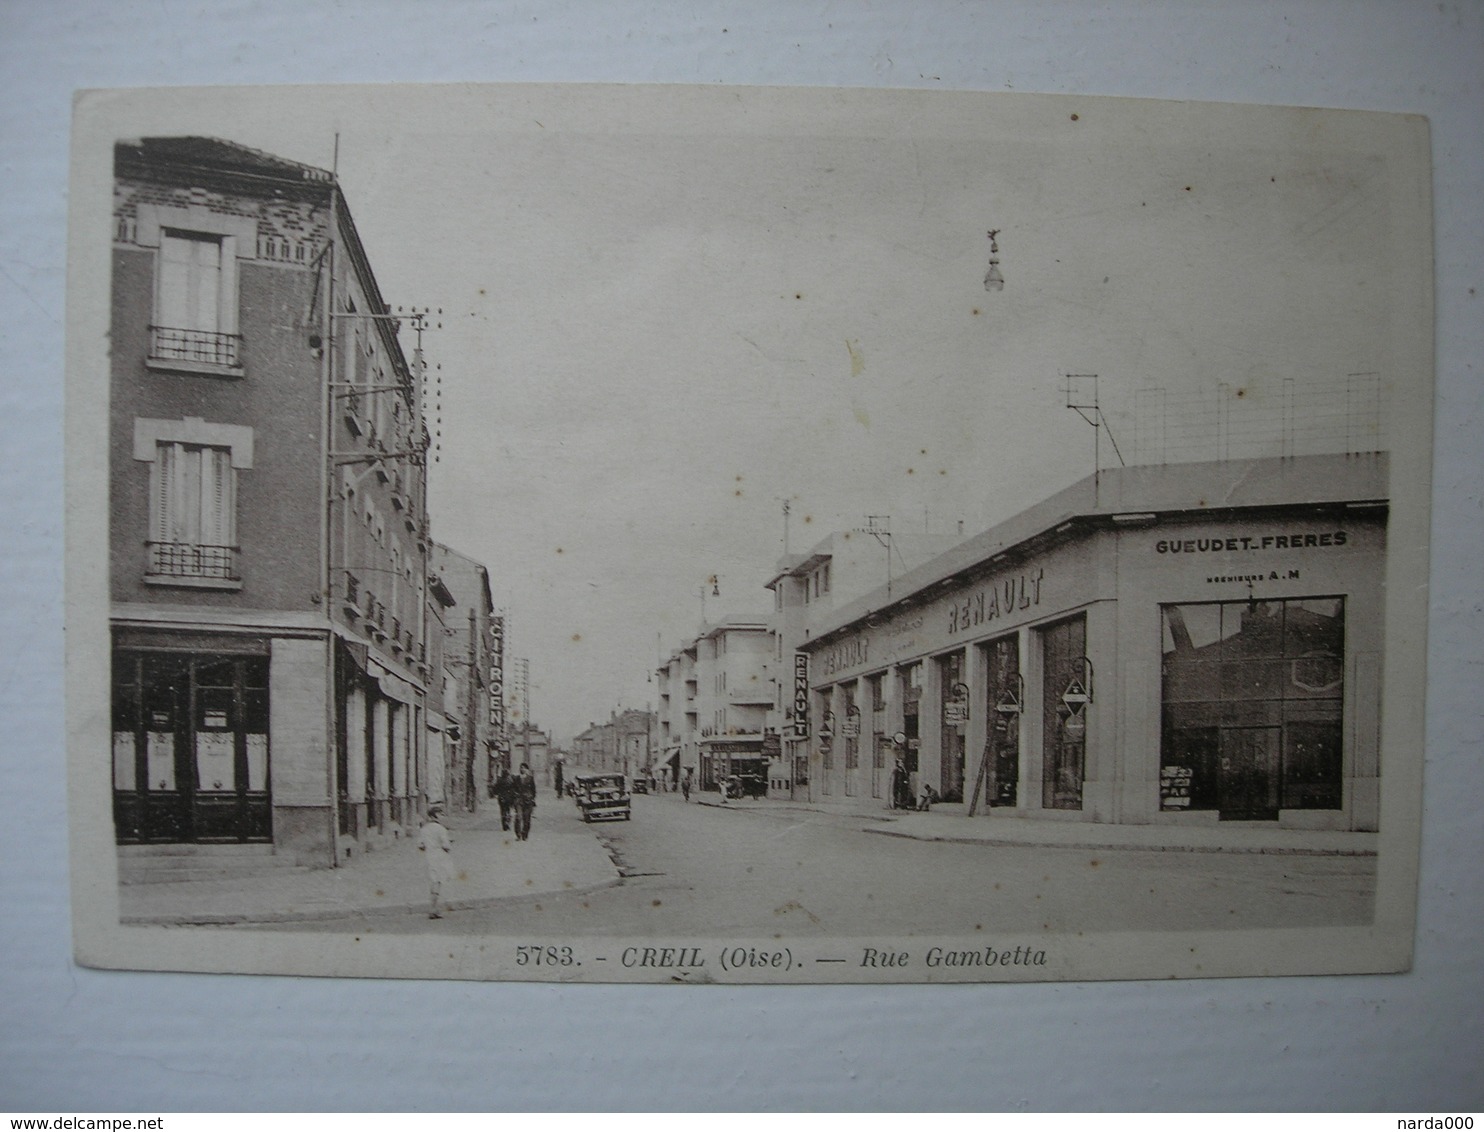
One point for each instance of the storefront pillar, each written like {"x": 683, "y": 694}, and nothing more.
{"x": 298, "y": 705}
{"x": 976, "y": 731}
{"x": 1364, "y": 784}
{"x": 1099, "y": 786}
{"x": 379, "y": 762}
{"x": 891, "y": 690}
{"x": 1032, "y": 725}
{"x": 930, "y": 729}
{"x": 355, "y": 758}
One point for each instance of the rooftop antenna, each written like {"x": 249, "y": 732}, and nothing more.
{"x": 1092, "y": 413}
{"x": 879, "y": 528}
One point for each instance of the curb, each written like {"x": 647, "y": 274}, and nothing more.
{"x": 1106, "y": 847}
{"x": 1016, "y": 843}
{"x": 791, "y": 808}
{"x": 228, "y": 919}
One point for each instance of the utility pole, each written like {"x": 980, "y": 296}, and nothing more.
{"x": 525, "y": 709}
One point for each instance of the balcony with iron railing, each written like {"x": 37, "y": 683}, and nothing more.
{"x": 208, "y": 351}
{"x": 350, "y": 405}
{"x": 351, "y": 600}
{"x": 192, "y": 564}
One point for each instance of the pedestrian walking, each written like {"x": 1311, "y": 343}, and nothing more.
{"x": 685, "y": 784}
{"x": 505, "y": 796}
{"x": 524, "y": 799}
{"x": 556, "y": 778}
{"x": 901, "y": 787}
{"x": 435, "y": 844}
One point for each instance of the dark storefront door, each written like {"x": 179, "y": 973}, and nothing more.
{"x": 1249, "y": 773}
{"x": 190, "y": 748}
{"x": 1002, "y": 710}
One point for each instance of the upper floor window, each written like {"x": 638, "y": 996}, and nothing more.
{"x": 193, "y": 513}
{"x": 195, "y": 321}
{"x": 192, "y": 538}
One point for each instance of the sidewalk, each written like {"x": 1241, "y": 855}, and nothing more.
{"x": 561, "y": 856}
{"x": 951, "y": 822}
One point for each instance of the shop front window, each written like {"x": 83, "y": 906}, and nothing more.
{"x": 880, "y": 744}
{"x": 911, "y": 690}
{"x": 1064, "y": 649}
{"x": 1002, "y": 703}
{"x": 190, "y": 747}
{"x": 850, "y": 730}
{"x": 827, "y": 741}
{"x": 1252, "y": 695}
{"x": 955, "y": 719}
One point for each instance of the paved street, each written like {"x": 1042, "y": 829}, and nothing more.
{"x": 749, "y": 871}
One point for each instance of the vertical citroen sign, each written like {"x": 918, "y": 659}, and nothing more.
{"x": 497, "y": 681}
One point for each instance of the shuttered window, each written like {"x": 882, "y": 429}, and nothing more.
{"x": 192, "y": 512}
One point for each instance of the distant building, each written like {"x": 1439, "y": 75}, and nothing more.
{"x": 624, "y": 744}
{"x": 1177, "y": 645}
{"x": 268, "y": 529}
{"x": 473, "y": 640}
{"x": 807, "y": 588}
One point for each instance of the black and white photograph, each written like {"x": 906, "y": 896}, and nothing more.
{"x": 745, "y": 535}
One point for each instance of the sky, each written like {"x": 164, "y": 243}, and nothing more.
{"x": 664, "y": 314}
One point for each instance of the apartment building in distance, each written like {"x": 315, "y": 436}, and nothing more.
{"x": 807, "y": 588}
{"x": 472, "y": 640}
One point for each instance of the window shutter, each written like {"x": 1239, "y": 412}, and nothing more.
{"x": 160, "y": 473}
{"x": 218, "y": 504}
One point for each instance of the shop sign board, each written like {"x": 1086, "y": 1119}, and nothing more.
{"x": 1075, "y": 697}
{"x": 801, "y": 695}
{"x": 1174, "y": 787}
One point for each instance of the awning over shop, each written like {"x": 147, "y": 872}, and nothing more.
{"x": 392, "y": 686}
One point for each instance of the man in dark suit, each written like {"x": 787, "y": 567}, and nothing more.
{"x": 504, "y": 789}
{"x": 525, "y": 801}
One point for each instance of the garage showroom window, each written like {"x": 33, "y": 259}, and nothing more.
{"x": 1252, "y": 705}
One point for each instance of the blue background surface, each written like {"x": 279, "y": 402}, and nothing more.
{"x": 77, "y": 1040}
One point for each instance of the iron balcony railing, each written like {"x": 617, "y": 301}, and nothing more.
{"x": 192, "y": 560}
{"x": 211, "y": 347}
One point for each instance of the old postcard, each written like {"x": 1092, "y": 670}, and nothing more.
{"x": 745, "y": 535}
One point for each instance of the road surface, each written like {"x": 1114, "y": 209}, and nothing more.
{"x": 745, "y": 872}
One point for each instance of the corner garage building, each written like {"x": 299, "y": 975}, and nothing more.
{"x": 1179, "y": 644}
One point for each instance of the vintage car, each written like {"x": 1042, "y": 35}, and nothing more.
{"x": 640, "y": 785}
{"x": 602, "y": 797}
{"x": 744, "y": 786}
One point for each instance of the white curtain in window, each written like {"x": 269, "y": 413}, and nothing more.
{"x": 190, "y": 282}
